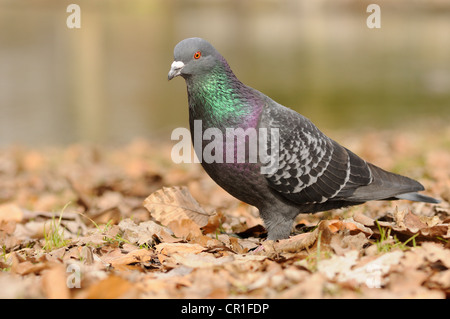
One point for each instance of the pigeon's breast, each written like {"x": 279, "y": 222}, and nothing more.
{"x": 231, "y": 157}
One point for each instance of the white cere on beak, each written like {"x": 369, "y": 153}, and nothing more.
{"x": 175, "y": 69}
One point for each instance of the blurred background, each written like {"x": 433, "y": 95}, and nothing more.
{"x": 107, "y": 81}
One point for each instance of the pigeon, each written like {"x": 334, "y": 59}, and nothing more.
{"x": 312, "y": 172}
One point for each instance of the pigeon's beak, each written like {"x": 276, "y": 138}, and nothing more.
{"x": 175, "y": 69}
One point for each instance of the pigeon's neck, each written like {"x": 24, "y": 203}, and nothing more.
{"x": 221, "y": 100}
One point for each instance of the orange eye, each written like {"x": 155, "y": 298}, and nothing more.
{"x": 197, "y": 55}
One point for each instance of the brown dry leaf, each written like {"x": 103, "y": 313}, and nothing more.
{"x": 214, "y": 223}
{"x": 363, "y": 219}
{"x": 436, "y": 252}
{"x": 342, "y": 243}
{"x": 311, "y": 287}
{"x": 145, "y": 232}
{"x": 175, "y": 203}
{"x": 129, "y": 261}
{"x": 409, "y": 224}
{"x": 440, "y": 230}
{"x": 236, "y": 245}
{"x": 441, "y": 279}
{"x": 350, "y": 225}
{"x": 7, "y": 238}
{"x": 54, "y": 282}
{"x": 111, "y": 287}
{"x": 14, "y": 286}
{"x": 171, "y": 248}
{"x": 185, "y": 228}
{"x": 10, "y": 212}
{"x": 31, "y": 229}
{"x": 27, "y": 267}
{"x": 33, "y": 161}
{"x": 167, "y": 251}
{"x": 328, "y": 230}
{"x": 199, "y": 260}
{"x": 341, "y": 268}
{"x": 301, "y": 241}
{"x": 207, "y": 282}
{"x": 204, "y": 241}
{"x": 338, "y": 264}
{"x": 408, "y": 221}
{"x": 292, "y": 244}
{"x": 23, "y": 266}
{"x": 408, "y": 283}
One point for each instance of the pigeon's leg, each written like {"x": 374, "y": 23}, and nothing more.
{"x": 278, "y": 225}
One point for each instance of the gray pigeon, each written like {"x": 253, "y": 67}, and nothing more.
{"x": 298, "y": 169}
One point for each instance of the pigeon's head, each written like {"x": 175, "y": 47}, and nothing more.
{"x": 193, "y": 56}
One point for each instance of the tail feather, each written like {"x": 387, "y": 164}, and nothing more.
{"x": 385, "y": 185}
{"x": 390, "y": 186}
{"x": 416, "y": 197}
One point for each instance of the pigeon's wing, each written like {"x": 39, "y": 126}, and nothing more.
{"x": 312, "y": 168}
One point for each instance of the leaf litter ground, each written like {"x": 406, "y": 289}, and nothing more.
{"x": 95, "y": 222}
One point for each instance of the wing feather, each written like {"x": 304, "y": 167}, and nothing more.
{"x": 312, "y": 167}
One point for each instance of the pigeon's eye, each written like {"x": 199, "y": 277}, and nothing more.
{"x": 197, "y": 55}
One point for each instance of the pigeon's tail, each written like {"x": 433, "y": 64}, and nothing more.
{"x": 388, "y": 186}
{"x": 416, "y": 197}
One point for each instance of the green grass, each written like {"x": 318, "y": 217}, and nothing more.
{"x": 4, "y": 256}
{"x": 117, "y": 240}
{"x": 387, "y": 243}
{"x": 54, "y": 237}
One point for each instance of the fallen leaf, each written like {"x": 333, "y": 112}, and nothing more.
{"x": 294, "y": 243}
{"x": 328, "y": 229}
{"x": 175, "y": 203}
{"x": 363, "y": 219}
{"x": 145, "y": 232}
{"x": 199, "y": 260}
{"x": 408, "y": 283}
{"x": 407, "y": 220}
{"x": 54, "y": 282}
{"x": 24, "y": 267}
{"x": 436, "y": 252}
{"x": 204, "y": 241}
{"x": 110, "y": 288}
{"x": 343, "y": 243}
{"x": 10, "y": 212}
{"x": 441, "y": 279}
{"x": 409, "y": 224}
{"x": 341, "y": 268}
{"x": 19, "y": 287}
{"x": 372, "y": 272}
{"x": 185, "y": 228}
{"x": 138, "y": 256}
{"x": 173, "y": 254}
{"x": 349, "y": 224}
{"x": 214, "y": 222}
{"x": 338, "y": 264}
{"x": 171, "y": 248}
